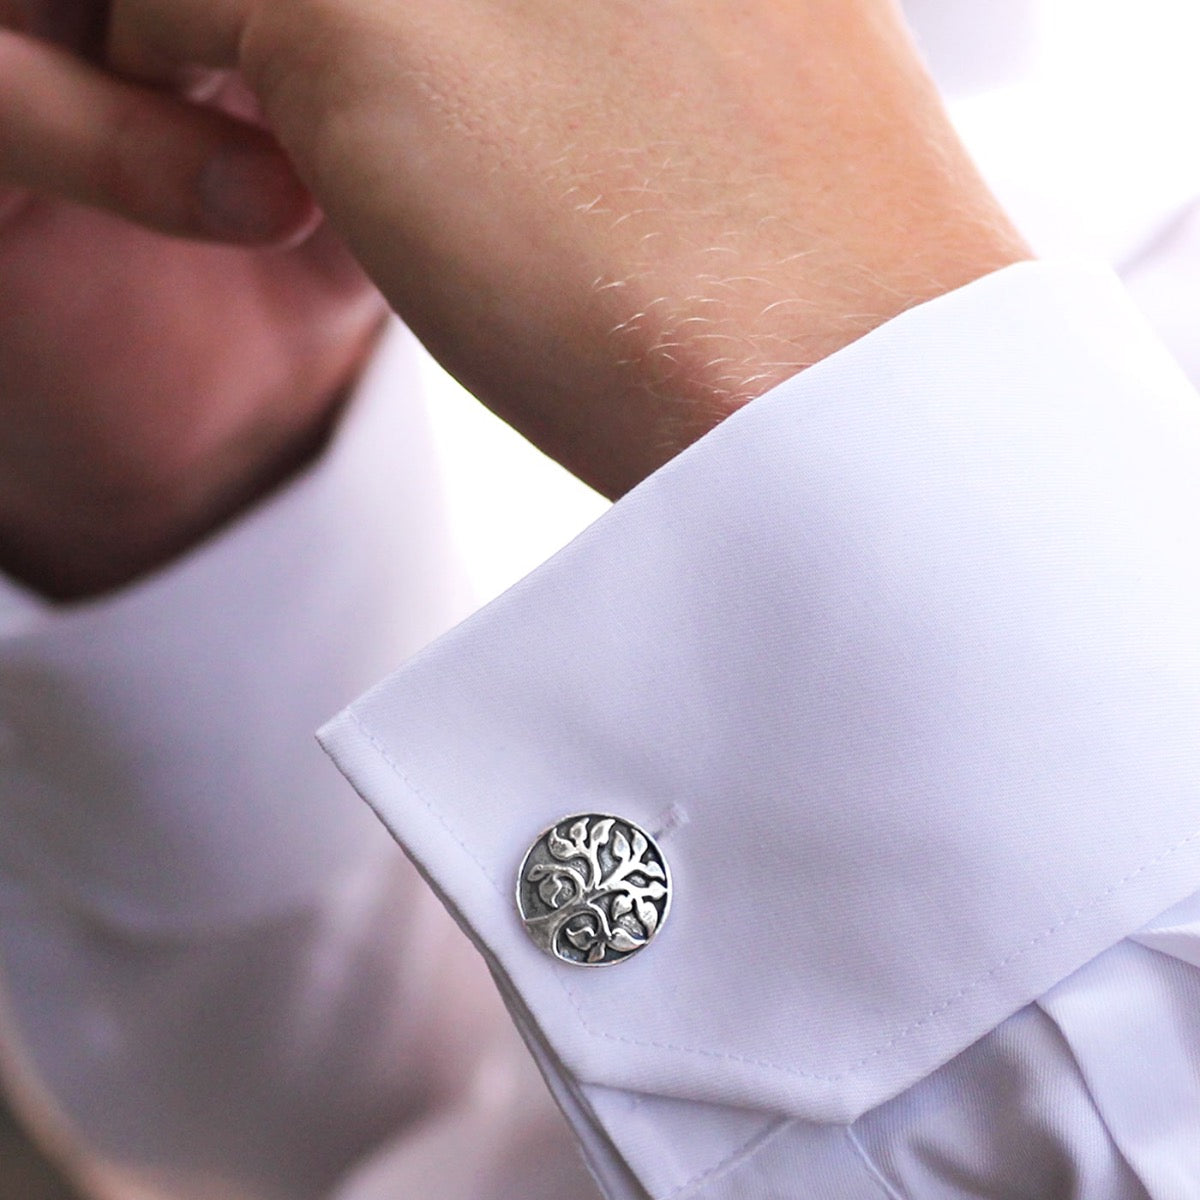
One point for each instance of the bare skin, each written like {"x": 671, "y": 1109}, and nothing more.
{"x": 615, "y": 223}
{"x": 151, "y": 387}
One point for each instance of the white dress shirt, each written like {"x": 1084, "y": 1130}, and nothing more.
{"x": 901, "y": 662}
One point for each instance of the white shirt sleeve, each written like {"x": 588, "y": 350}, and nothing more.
{"x": 901, "y": 663}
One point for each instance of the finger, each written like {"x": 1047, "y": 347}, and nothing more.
{"x": 72, "y": 131}
{"x": 151, "y": 39}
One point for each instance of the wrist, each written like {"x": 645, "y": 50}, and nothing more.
{"x": 718, "y": 352}
{"x": 850, "y": 221}
{"x": 683, "y": 366}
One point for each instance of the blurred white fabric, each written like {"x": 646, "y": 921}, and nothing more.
{"x": 218, "y": 975}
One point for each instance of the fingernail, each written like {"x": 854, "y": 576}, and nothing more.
{"x": 251, "y": 195}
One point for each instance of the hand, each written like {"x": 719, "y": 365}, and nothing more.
{"x": 149, "y": 387}
{"x": 614, "y": 222}
{"x": 66, "y": 130}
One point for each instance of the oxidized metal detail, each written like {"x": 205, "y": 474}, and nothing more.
{"x": 593, "y": 890}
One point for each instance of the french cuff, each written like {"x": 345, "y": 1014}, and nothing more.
{"x": 902, "y": 663}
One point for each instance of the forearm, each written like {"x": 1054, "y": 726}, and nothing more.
{"x": 737, "y": 201}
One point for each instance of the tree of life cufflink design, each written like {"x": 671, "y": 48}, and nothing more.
{"x": 593, "y": 890}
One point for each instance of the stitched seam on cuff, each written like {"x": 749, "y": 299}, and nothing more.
{"x": 733, "y": 1159}
{"x": 784, "y": 1068}
{"x": 967, "y": 988}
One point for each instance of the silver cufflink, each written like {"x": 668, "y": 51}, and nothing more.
{"x": 593, "y": 890}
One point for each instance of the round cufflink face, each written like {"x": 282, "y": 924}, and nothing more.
{"x": 593, "y": 890}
